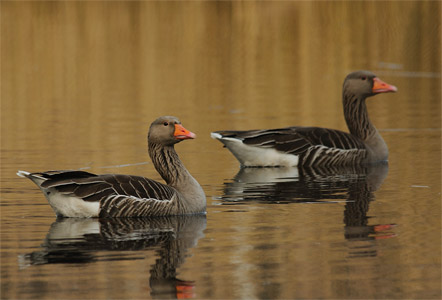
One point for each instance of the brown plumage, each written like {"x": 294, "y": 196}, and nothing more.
{"x": 315, "y": 146}
{"x": 83, "y": 194}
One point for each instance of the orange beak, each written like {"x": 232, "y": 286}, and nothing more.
{"x": 381, "y": 87}
{"x": 182, "y": 133}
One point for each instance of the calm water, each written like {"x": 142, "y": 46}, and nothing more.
{"x": 81, "y": 82}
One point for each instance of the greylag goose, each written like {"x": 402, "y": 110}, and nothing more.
{"x": 315, "y": 146}
{"x": 83, "y": 194}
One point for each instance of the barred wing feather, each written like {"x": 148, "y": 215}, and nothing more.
{"x": 313, "y": 145}
{"x": 297, "y": 140}
{"x": 95, "y": 188}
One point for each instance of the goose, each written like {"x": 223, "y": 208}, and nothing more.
{"x": 316, "y": 146}
{"x": 82, "y": 194}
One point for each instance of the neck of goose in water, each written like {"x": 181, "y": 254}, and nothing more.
{"x": 167, "y": 163}
{"x": 172, "y": 170}
{"x": 356, "y": 116}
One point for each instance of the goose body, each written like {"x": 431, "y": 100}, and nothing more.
{"x": 83, "y": 194}
{"x": 316, "y": 146}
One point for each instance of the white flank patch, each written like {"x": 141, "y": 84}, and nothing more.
{"x": 70, "y": 206}
{"x": 252, "y": 156}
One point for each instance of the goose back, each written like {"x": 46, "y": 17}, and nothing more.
{"x": 311, "y": 145}
{"x": 83, "y": 194}
{"x": 315, "y": 146}
{"x": 118, "y": 195}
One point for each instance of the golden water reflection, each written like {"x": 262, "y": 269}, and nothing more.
{"x": 85, "y": 241}
{"x": 82, "y": 80}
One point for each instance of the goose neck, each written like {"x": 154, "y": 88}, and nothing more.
{"x": 167, "y": 163}
{"x": 172, "y": 170}
{"x": 356, "y": 117}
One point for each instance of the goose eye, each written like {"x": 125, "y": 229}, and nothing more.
{"x": 364, "y": 77}
{"x": 166, "y": 124}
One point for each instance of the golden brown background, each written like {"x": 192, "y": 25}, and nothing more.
{"x": 82, "y": 80}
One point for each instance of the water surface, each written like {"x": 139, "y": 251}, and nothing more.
{"x": 81, "y": 82}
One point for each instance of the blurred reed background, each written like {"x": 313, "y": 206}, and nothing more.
{"x": 82, "y": 80}
{"x": 243, "y": 64}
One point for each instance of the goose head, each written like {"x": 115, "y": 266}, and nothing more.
{"x": 364, "y": 84}
{"x": 167, "y": 131}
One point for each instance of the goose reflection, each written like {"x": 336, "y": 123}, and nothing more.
{"x": 72, "y": 240}
{"x": 355, "y": 186}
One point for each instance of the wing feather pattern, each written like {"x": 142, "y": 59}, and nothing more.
{"x": 130, "y": 206}
{"x": 119, "y": 195}
{"x": 314, "y": 145}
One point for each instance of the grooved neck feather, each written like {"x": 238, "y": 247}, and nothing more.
{"x": 167, "y": 163}
{"x": 356, "y": 116}
{"x": 172, "y": 170}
